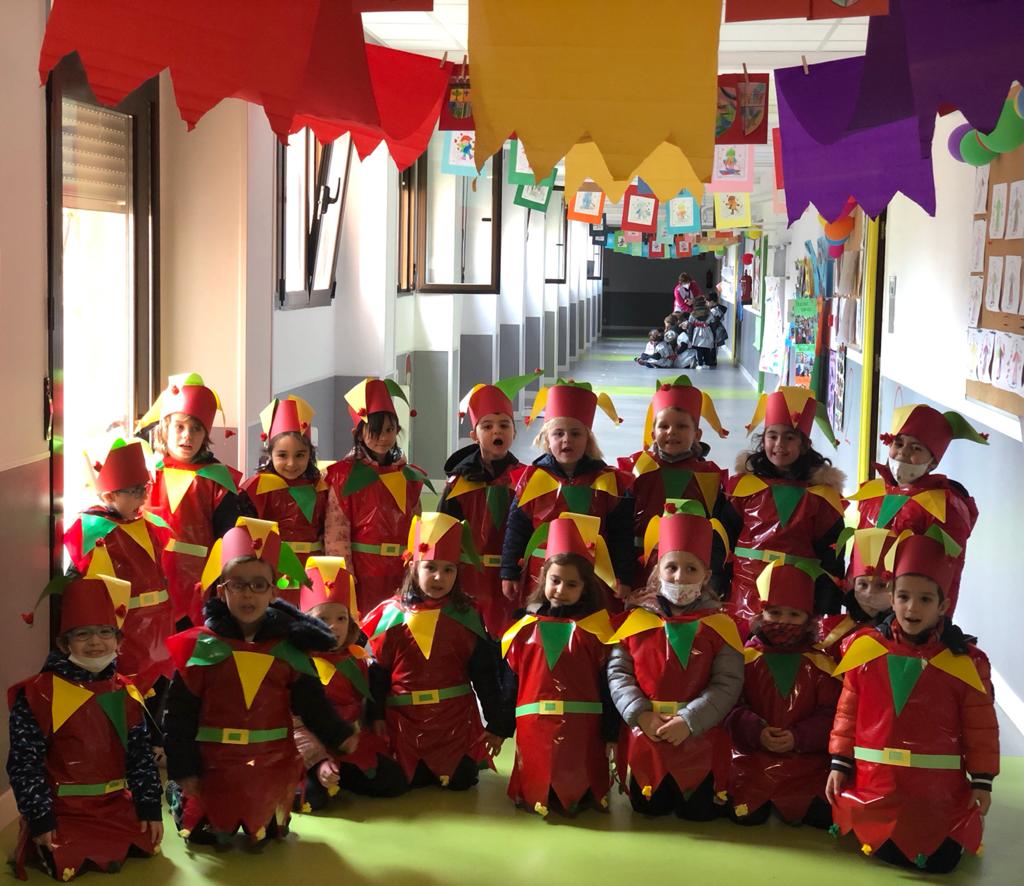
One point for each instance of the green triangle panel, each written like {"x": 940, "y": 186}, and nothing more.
{"x": 577, "y": 498}
{"x": 288, "y": 563}
{"x": 414, "y": 476}
{"x": 889, "y": 508}
{"x": 95, "y": 527}
{"x": 904, "y": 671}
{"x": 220, "y": 475}
{"x": 388, "y": 619}
{"x": 676, "y": 481}
{"x": 680, "y": 637}
{"x": 554, "y": 637}
{"x": 498, "y": 498}
{"x": 349, "y": 667}
{"x": 209, "y": 650}
{"x": 359, "y": 478}
{"x": 783, "y": 667}
{"x": 295, "y": 657}
{"x": 113, "y": 706}
{"x": 305, "y": 498}
{"x": 468, "y": 618}
{"x": 786, "y": 500}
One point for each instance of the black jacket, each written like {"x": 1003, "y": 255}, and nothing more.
{"x": 466, "y": 462}
{"x": 181, "y": 716}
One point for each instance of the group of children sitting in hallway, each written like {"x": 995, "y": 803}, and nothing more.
{"x": 691, "y": 337}
{"x": 310, "y": 631}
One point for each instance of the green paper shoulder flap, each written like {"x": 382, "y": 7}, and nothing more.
{"x": 209, "y": 650}
{"x": 155, "y": 520}
{"x": 468, "y": 618}
{"x": 95, "y": 527}
{"x": 361, "y": 476}
{"x": 349, "y": 669}
{"x": 391, "y": 616}
{"x": 292, "y": 655}
{"x": 219, "y": 474}
{"x": 416, "y": 476}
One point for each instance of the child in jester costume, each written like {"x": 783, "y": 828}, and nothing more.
{"x": 373, "y": 494}
{"x": 556, "y": 655}
{"x": 868, "y": 596}
{"x": 80, "y": 762}
{"x": 790, "y": 500}
{"x": 481, "y": 478}
{"x": 907, "y": 494}
{"x": 345, "y": 673}
{"x": 676, "y": 673}
{"x": 780, "y": 726}
{"x": 287, "y": 487}
{"x": 193, "y": 493}
{"x": 115, "y": 537}
{"x": 241, "y": 676}
{"x": 435, "y": 662}
{"x": 915, "y": 743}
{"x": 569, "y": 476}
{"x": 673, "y": 465}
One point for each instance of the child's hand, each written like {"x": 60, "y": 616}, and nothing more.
{"x": 834, "y": 785}
{"x": 154, "y": 830}
{"x": 983, "y": 800}
{"x": 493, "y": 743}
{"x": 189, "y": 786}
{"x": 778, "y": 741}
{"x": 327, "y": 773}
{"x": 510, "y": 589}
{"x": 651, "y": 722}
{"x": 675, "y": 731}
{"x": 45, "y": 840}
{"x": 348, "y": 746}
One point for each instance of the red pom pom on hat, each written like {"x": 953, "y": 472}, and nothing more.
{"x": 97, "y": 466}
{"x": 175, "y": 390}
{"x": 263, "y": 435}
{"x": 228, "y": 433}
{"x": 538, "y": 371}
{"x": 329, "y": 585}
{"x": 413, "y": 413}
{"x": 257, "y": 544}
{"x": 424, "y": 547}
{"x": 362, "y": 411}
{"x": 28, "y": 617}
{"x": 121, "y": 611}
{"x": 100, "y": 543}
{"x": 670, "y": 508}
{"x": 886, "y": 439}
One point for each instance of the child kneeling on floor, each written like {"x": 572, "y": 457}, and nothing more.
{"x": 241, "y": 676}
{"x": 78, "y": 808}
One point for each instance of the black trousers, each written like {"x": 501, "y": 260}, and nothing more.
{"x": 668, "y": 798}
{"x": 941, "y": 861}
{"x": 705, "y": 356}
{"x": 387, "y": 780}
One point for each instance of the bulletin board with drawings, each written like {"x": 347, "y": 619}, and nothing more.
{"x": 995, "y": 335}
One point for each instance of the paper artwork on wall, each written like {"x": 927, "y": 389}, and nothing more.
{"x": 732, "y": 210}
{"x": 978, "y": 246}
{"x": 994, "y": 282}
{"x": 639, "y": 211}
{"x": 981, "y": 189}
{"x": 974, "y": 337}
{"x": 974, "y": 299}
{"x": 985, "y": 347}
{"x": 742, "y": 117}
{"x": 459, "y": 157}
{"x": 1001, "y": 369}
{"x": 997, "y": 217}
{"x": 1016, "y": 369}
{"x": 1010, "y": 301}
{"x": 1015, "y": 214}
{"x": 733, "y": 169}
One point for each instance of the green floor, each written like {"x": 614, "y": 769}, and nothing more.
{"x": 434, "y": 837}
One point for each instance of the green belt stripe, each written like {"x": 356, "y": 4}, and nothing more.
{"x": 363, "y": 548}
{"x": 788, "y": 559}
{"x": 568, "y": 707}
{"x": 183, "y": 547}
{"x": 159, "y": 597}
{"x": 427, "y": 696}
{"x": 917, "y": 761}
{"x": 240, "y": 736}
{"x": 91, "y": 790}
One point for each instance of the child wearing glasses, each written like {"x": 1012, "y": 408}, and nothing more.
{"x": 115, "y": 537}
{"x": 228, "y": 723}
{"x": 81, "y": 810}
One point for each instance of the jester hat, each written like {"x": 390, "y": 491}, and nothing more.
{"x": 868, "y": 551}
{"x": 186, "y": 393}
{"x": 683, "y": 527}
{"x": 571, "y": 399}
{"x": 931, "y": 554}
{"x": 290, "y": 414}
{"x": 782, "y": 584}
{"x": 435, "y": 536}
{"x": 578, "y": 534}
{"x": 330, "y": 582}
{"x": 494, "y": 399}
{"x": 124, "y": 466}
{"x": 794, "y": 407}
{"x": 93, "y": 600}
{"x": 250, "y": 537}
{"x": 934, "y": 429}
{"x": 680, "y": 393}
{"x": 374, "y": 395}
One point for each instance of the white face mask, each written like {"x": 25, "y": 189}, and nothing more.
{"x": 906, "y": 473}
{"x": 874, "y": 602}
{"x": 680, "y": 595}
{"x": 92, "y": 665}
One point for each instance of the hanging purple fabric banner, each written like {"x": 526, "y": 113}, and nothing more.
{"x": 870, "y": 165}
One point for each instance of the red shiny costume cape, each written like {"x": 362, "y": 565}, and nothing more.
{"x": 84, "y": 749}
{"x": 661, "y": 676}
{"x": 560, "y": 751}
{"x": 789, "y": 781}
{"x": 947, "y": 709}
{"x": 442, "y": 732}
{"x": 754, "y": 498}
{"x": 960, "y": 512}
{"x": 375, "y": 518}
{"x": 142, "y": 655}
{"x": 241, "y": 784}
{"x": 191, "y": 523}
{"x": 484, "y": 507}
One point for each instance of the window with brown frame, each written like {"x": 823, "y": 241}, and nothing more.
{"x": 457, "y": 235}
{"x": 556, "y": 238}
{"x": 407, "y": 229}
